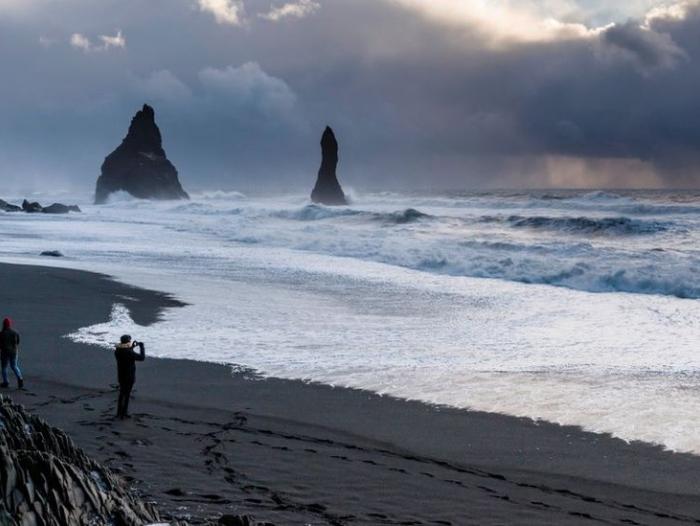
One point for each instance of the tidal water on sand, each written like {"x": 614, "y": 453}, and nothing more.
{"x": 572, "y": 307}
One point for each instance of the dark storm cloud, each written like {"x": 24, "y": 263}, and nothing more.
{"x": 242, "y": 99}
{"x": 651, "y": 50}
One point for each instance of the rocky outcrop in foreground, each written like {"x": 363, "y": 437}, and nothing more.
{"x": 46, "y": 480}
{"x": 36, "y": 208}
{"x": 327, "y": 190}
{"x": 139, "y": 165}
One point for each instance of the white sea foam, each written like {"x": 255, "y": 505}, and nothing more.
{"x": 382, "y": 296}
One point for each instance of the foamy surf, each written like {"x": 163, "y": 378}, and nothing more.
{"x": 481, "y": 345}
{"x": 350, "y": 296}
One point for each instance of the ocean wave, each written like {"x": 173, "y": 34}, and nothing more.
{"x": 409, "y": 215}
{"x": 580, "y": 266}
{"x": 602, "y": 195}
{"x": 193, "y": 207}
{"x": 218, "y": 195}
{"x": 315, "y": 213}
{"x": 533, "y": 265}
{"x": 318, "y": 213}
{"x": 121, "y": 198}
{"x": 588, "y": 225}
{"x": 622, "y": 204}
{"x": 636, "y": 203}
{"x": 572, "y": 245}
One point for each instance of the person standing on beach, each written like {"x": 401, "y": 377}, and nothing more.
{"x": 126, "y": 371}
{"x": 9, "y": 349}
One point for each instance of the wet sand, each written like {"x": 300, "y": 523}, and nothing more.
{"x": 206, "y": 440}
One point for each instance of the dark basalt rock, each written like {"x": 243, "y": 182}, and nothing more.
{"x": 45, "y": 479}
{"x": 52, "y": 253}
{"x": 327, "y": 190}
{"x": 59, "y": 208}
{"x": 36, "y": 208}
{"x": 31, "y": 208}
{"x": 7, "y": 207}
{"x": 139, "y": 165}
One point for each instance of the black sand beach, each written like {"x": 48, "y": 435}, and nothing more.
{"x": 205, "y": 440}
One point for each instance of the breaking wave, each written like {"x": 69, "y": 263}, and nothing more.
{"x": 572, "y": 267}
{"x": 318, "y": 213}
{"x": 410, "y": 215}
{"x": 572, "y": 241}
{"x": 315, "y": 213}
{"x": 595, "y": 242}
{"x": 587, "y": 225}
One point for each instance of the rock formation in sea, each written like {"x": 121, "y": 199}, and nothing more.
{"x": 8, "y": 207}
{"x": 36, "y": 208}
{"x": 59, "y": 208}
{"x": 139, "y": 165}
{"x": 31, "y": 208}
{"x": 46, "y": 479}
{"x": 327, "y": 190}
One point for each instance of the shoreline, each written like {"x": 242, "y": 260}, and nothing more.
{"x": 381, "y": 446}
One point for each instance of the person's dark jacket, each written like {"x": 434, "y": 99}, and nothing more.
{"x": 126, "y": 361}
{"x": 9, "y": 341}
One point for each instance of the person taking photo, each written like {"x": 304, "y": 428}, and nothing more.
{"x": 126, "y": 356}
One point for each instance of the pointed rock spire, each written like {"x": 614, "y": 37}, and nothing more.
{"x": 139, "y": 165}
{"x": 327, "y": 190}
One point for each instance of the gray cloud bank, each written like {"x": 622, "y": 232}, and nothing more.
{"x": 419, "y": 97}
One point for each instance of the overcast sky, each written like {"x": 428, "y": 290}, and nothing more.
{"x": 421, "y": 93}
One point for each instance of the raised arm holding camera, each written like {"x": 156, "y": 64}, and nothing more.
{"x": 126, "y": 356}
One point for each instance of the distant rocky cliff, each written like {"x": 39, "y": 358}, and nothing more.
{"x": 139, "y": 165}
{"x": 46, "y": 480}
{"x": 327, "y": 190}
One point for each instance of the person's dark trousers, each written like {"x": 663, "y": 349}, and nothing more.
{"x": 123, "y": 401}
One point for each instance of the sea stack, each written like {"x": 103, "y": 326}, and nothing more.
{"x": 327, "y": 190}
{"x": 139, "y": 165}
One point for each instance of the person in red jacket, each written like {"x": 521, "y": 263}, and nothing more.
{"x": 9, "y": 350}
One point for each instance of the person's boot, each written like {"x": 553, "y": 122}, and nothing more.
{"x": 20, "y": 383}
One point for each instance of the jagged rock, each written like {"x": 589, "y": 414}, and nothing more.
{"x": 327, "y": 190}
{"x": 139, "y": 165}
{"x": 46, "y": 480}
{"x": 31, "y": 208}
{"x": 35, "y": 208}
{"x": 7, "y": 207}
{"x": 59, "y": 208}
{"x": 52, "y": 253}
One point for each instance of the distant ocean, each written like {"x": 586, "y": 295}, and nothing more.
{"x": 569, "y": 306}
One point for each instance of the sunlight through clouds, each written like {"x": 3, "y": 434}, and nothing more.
{"x": 458, "y": 88}
{"x": 83, "y": 43}
{"x": 224, "y": 11}
{"x": 298, "y": 9}
{"x": 499, "y": 21}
